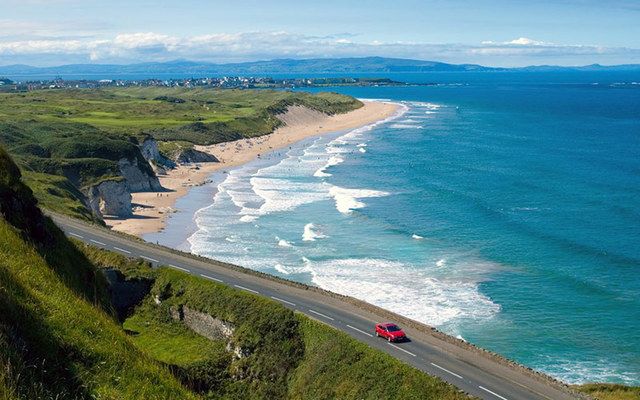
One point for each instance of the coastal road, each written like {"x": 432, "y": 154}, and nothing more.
{"x": 476, "y": 372}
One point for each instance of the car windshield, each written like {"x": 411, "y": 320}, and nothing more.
{"x": 392, "y": 328}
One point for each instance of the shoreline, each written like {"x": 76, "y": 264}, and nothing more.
{"x": 151, "y": 209}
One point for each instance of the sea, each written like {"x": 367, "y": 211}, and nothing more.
{"x": 501, "y": 208}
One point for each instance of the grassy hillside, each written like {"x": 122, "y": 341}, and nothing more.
{"x": 56, "y": 339}
{"x": 607, "y": 391}
{"x": 71, "y": 139}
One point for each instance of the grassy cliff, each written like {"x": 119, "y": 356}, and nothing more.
{"x": 57, "y": 338}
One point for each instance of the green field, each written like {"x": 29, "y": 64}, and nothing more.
{"x": 141, "y": 111}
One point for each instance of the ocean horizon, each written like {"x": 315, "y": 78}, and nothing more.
{"x": 501, "y": 209}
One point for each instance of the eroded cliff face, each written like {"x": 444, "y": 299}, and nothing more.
{"x": 113, "y": 197}
{"x": 109, "y": 198}
{"x": 138, "y": 179}
{"x": 150, "y": 152}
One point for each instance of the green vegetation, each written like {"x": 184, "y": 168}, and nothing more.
{"x": 265, "y": 331}
{"x": 605, "y": 391}
{"x": 70, "y": 139}
{"x": 56, "y": 339}
{"x": 135, "y": 111}
{"x": 172, "y": 149}
{"x": 131, "y": 268}
{"x": 337, "y": 366}
{"x": 57, "y": 194}
{"x": 170, "y": 341}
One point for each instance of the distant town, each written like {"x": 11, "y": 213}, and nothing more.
{"x": 235, "y": 82}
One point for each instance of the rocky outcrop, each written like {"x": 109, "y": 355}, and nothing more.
{"x": 109, "y": 198}
{"x": 151, "y": 153}
{"x": 139, "y": 179}
{"x": 203, "y": 324}
{"x": 188, "y": 156}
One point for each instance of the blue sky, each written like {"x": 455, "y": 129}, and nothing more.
{"x": 497, "y": 33}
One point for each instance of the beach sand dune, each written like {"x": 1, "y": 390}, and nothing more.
{"x": 151, "y": 209}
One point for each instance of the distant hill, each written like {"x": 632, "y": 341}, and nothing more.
{"x": 181, "y": 68}
{"x": 289, "y": 66}
{"x": 185, "y": 69}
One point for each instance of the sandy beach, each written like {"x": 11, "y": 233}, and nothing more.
{"x": 151, "y": 209}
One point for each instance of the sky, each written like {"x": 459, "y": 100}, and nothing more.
{"x": 494, "y": 33}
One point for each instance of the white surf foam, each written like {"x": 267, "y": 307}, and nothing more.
{"x": 348, "y": 200}
{"x": 311, "y": 233}
{"x": 417, "y": 237}
{"x": 579, "y": 372}
{"x": 283, "y": 243}
{"x": 281, "y": 268}
{"x": 424, "y": 298}
{"x": 361, "y": 150}
{"x": 285, "y": 194}
{"x": 427, "y": 105}
{"x": 248, "y": 218}
{"x": 405, "y": 126}
{"x": 333, "y": 161}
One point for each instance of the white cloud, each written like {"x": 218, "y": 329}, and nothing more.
{"x": 522, "y": 41}
{"x": 244, "y": 46}
{"x": 526, "y": 42}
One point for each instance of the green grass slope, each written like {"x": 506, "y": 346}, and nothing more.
{"x": 609, "y": 391}
{"x": 56, "y": 339}
{"x": 335, "y": 366}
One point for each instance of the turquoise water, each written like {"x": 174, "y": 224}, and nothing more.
{"x": 501, "y": 209}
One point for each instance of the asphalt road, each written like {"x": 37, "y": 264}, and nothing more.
{"x": 472, "y": 371}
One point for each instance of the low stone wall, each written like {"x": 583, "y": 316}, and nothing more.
{"x": 203, "y": 324}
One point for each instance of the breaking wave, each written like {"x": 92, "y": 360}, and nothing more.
{"x": 435, "y": 301}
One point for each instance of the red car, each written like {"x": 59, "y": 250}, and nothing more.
{"x": 391, "y": 332}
